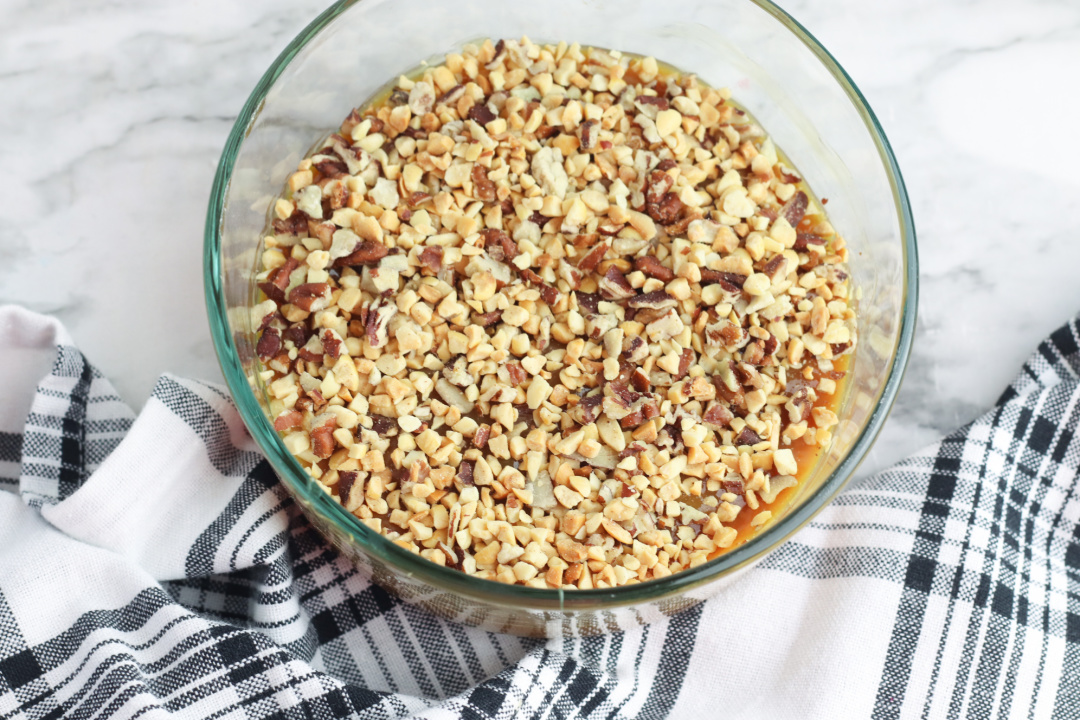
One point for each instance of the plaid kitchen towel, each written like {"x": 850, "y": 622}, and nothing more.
{"x": 153, "y": 567}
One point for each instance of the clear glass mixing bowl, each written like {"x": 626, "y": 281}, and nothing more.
{"x": 775, "y": 69}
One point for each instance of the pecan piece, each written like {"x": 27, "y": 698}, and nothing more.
{"x": 667, "y": 210}
{"x": 516, "y": 374}
{"x": 546, "y": 131}
{"x": 771, "y": 344}
{"x": 547, "y": 293}
{"x": 587, "y": 134}
{"x": 788, "y": 177}
{"x": 346, "y": 480}
{"x": 331, "y": 168}
{"x": 322, "y": 439}
{"x": 453, "y": 560}
{"x": 658, "y": 186}
{"x": 614, "y": 285}
{"x": 431, "y": 258}
{"x": 588, "y": 409}
{"x": 657, "y": 300}
{"x": 288, "y": 420}
{"x": 278, "y": 280}
{"x": 812, "y": 261}
{"x": 803, "y": 240}
{"x": 375, "y": 325}
{"x": 456, "y": 371}
{"x": 802, "y": 403}
{"x": 351, "y": 122}
{"x": 640, "y": 380}
{"x": 668, "y": 324}
{"x": 768, "y": 212}
{"x": 311, "y": 297}
{"x": 481, "y": 113}
{"x": 324, "y": 231}
{"x": 650, "y": 410}
{"x": 295, "y": 224}
{"x": 685, "y": 361}
{"x": 652, "y": 267}
{"x": 588, "y": 303}
{"x": 624, "y": 393}
{"x": 484, "y": 189}
{"x": 593, "y": 257}
{"x": 798, "y": 387}
{"x": 269, "y": 318}
{"x": 732, "y": 282}
{"x": 487, "y": 319}
{"x": 273, "y": 292}
{"x": 499, "y": 245}
{"x": 747, "y": 374}
{"x": 682, "y": 223}
{"x": 747, "y": 437}
{"x": 795, "y": 209}
{"x": 297, "y": 334}
{"x": 366, "y": 252}
{"x": 313, "y": 350}
{"x": 632, "y": 419}
{"x": 500, "y": 48}
{"x": 451, "y": 96}
{"x": 734, "y": 485}
{"x": 416, "y": 199}
{"x": 754, "y": 353}
{"x": 338, "y": 197}
{"x": 481, "y": 437}
{"x": 731, "y": 334}
{"x": 382, "y": 425}
{"x": 465, "y": 473}
{"x": 634, "y": 349}
{"x": 775, "y": 267}
{"x": 269, "y": 344}
{"x": 717, "y": 416}
{"x": 331, "y": 342}
{"x": 734, "y": 398}
{"x": 661, "y": 103}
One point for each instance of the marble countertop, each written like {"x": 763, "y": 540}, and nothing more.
{"x": 115, "y": 114}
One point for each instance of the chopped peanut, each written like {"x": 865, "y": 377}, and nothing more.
{"x": 554, "y": 316}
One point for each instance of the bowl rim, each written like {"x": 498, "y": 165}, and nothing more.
{"x": 518, "y": 596}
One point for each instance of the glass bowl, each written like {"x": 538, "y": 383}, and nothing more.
{"x": 775, "y": 69}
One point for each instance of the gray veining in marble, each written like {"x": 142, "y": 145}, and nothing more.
{"x": 115, "y": 113}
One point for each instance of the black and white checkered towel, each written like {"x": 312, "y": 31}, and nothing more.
{"x": 153, "y": 567}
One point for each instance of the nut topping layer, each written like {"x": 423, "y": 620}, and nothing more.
{"x": 553, "y": 316}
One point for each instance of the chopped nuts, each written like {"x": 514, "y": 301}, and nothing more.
{"x": 784, "y": 462}
{"x": 553, "y": 316}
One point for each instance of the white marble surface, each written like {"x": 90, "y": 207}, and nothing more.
{"x": 114, "y": 114}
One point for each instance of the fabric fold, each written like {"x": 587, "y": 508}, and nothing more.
{"x": 183, "y": 461}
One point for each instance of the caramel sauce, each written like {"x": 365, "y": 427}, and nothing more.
{"x": 807, "y": 457}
